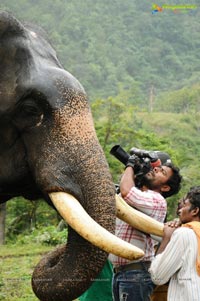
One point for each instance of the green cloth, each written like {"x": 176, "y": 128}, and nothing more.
{"x": 101, "y": 288}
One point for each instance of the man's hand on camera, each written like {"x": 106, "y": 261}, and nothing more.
{"x": 134, "y": 162}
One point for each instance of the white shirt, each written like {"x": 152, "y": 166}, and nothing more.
{"x": 178, "y": 262}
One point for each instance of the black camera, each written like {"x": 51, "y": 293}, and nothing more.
{"x": 153, "y": 156}
{"x": 144, "y": 160}
{"x": 123, "y": 156}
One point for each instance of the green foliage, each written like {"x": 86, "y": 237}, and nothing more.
{"x": 113, "y": 123}
{"x": 44, "y": 235}
{"x": 34, "y": 222}
{"x": 107, "y": 44}
{"x": 23, "y": 216}
{"x": 184, "y": 100}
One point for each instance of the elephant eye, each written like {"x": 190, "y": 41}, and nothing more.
{"x": 28, "y": 114}
{"x": 29, "y": 107}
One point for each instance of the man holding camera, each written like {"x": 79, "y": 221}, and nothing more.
{"x": 132, "y": 280}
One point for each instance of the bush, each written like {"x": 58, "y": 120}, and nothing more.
{"x": 46, "y": 236}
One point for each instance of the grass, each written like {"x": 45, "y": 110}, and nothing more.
{"x": 17, "y": 264}
{"x": 16, "y": 267}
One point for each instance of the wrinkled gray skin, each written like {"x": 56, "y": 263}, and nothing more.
{"x": 47, "y": 144}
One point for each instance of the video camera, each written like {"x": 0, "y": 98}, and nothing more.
{"x": 144, "y": 160}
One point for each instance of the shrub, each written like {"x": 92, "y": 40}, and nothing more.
{"x": 47, "y": 236}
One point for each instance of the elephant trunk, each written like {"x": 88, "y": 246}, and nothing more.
{"x": 81, "y": 170}
{"x": 65, "y": 273}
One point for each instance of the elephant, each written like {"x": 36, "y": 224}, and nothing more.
{"x": 49, "y": 149}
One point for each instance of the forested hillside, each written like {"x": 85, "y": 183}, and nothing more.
{"x": 114, "y": 45}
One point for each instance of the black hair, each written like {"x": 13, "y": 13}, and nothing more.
{"x": 194, "y": 197}
{"x": 174, "y": 181}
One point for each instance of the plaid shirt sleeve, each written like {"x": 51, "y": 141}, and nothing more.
{"x": 149, "y": 202}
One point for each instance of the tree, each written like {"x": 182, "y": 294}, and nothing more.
{"x": 2, "y": 223}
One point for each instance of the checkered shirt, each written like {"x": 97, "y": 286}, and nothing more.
{"x": 151, "y": 203}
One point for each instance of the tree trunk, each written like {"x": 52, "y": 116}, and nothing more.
{"x": 2, "y": 223}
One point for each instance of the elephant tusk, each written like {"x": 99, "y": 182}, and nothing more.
{"x": 137, "y": 219}
{"x": 75, "y": 215}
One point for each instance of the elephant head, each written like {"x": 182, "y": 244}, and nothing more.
{"x": 49, "y": 149}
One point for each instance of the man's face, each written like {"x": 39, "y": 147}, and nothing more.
{"x": 185, "y": 212}
{"x": 157, "y": 177}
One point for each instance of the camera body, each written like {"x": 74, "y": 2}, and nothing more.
{"x": 145, "y": 160}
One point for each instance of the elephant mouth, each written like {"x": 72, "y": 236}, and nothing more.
{"x": 75, "y": 216}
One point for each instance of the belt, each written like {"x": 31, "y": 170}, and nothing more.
{"x": 141, "y": 265}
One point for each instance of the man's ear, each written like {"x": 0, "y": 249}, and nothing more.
{"x": 195, "y": 211}
{"x": 165, "y": 188}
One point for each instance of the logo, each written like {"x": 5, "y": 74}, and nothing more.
{"x": 176, "y": 8}
{"x": 156, "y": 8}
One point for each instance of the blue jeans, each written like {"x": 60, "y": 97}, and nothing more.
{"x": 134, "y": 285}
